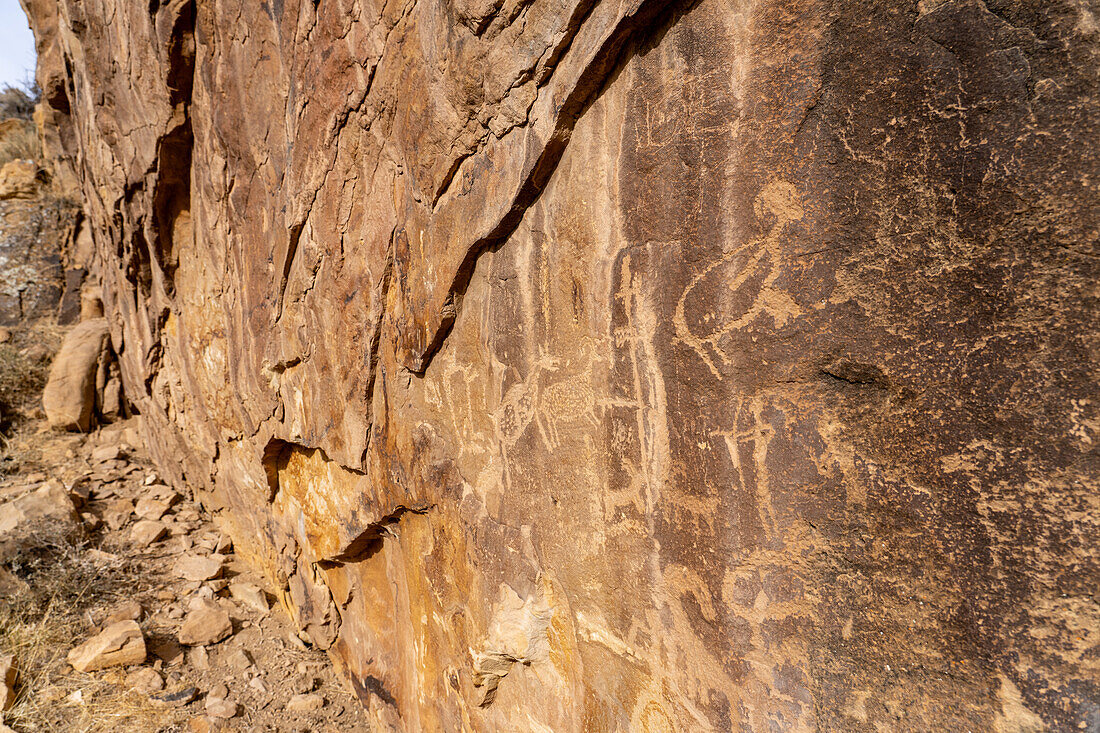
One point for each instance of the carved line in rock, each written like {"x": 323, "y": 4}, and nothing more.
{"x": 779, "y": 200}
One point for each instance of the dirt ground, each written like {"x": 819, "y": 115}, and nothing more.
{"x": 61, "y": 587}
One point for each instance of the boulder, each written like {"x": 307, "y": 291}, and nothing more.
{"x": 147, "y": 531}
{"x": 206, "y": 623}
{"x": 153, "y": 509}
{"x": 111, "y": 402}
{"x": 305, "y": 703}
{"x": 249, "y": 595}
{"x": 198, "y": 567}
{"x": 69, "y": 398}
{"x": 179, "y": 697}
{"x": 237, "y": 660}
{"x": 205, "y": 724}
{"x": 145, "y": 680}
{"x": 91, "y": 302}
{"x": 125, "y": 611}
{"x": 118, "y": 513}
{"x": 19, "y": 180}
{"x": 219, "y": 707}
{"x": 120, "y": 644}
{"x": 106, "y": 453}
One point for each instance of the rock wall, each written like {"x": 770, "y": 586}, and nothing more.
{"x": 616, "y": 366}
{"x": 43, "y": 246}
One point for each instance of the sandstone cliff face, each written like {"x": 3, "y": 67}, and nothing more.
{"x": 621, "y": 366}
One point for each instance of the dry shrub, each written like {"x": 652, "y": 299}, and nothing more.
{"x": 24, "y": 367}
{"x": 18, "y": 101}
{"x": 21, "y": 141}
{"x": 66, "y": 585}
{"x": 22, "y": 378}
{"x": 25, "y": 364}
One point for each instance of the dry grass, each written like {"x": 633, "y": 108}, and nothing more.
{"x": 20, "y": 142}
{"x": 25, "y": 363}
{"x": 66, "y": 587}
{"x": 24, "y": 367}
{"x": 22, "y": 378}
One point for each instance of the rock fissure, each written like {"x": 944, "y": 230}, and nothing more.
{"x": 538, "y": 172}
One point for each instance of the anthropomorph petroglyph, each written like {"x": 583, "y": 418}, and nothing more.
{"x": 746, "y": 273}
{"x": 750, "y": 438}
{"x": 462, "y": 395}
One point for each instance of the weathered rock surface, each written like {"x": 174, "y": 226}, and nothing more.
{"x": 118, "y": 645}
{"x": 19, "y": 180}
{"x": 621, "y": 366}
{"x": 42, "y": 264}
{"x": 32, "y": 281}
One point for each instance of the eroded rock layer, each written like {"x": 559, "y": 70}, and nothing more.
{"x": 609, "y": 366}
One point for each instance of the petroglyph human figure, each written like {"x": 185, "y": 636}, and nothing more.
{"x": 752, "y": 432}
{"x": 458, "y": 387}
{"x": 735, "y": 273}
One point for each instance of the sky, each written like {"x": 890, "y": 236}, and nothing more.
{"x": 16, "y": 45}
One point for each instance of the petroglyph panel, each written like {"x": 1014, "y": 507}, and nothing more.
{"x": 652, "y": 366}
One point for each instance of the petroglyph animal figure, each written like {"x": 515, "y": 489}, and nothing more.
{"x": 744, "y": 274}
{"x": 517, "y": 407}
{"x": 568, "y": 401}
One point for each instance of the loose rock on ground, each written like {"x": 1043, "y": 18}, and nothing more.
{"x": 199, "y": 641}
{"x": 120, "y": 644}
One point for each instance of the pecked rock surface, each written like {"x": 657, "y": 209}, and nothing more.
{"x": 630, "y": 365}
